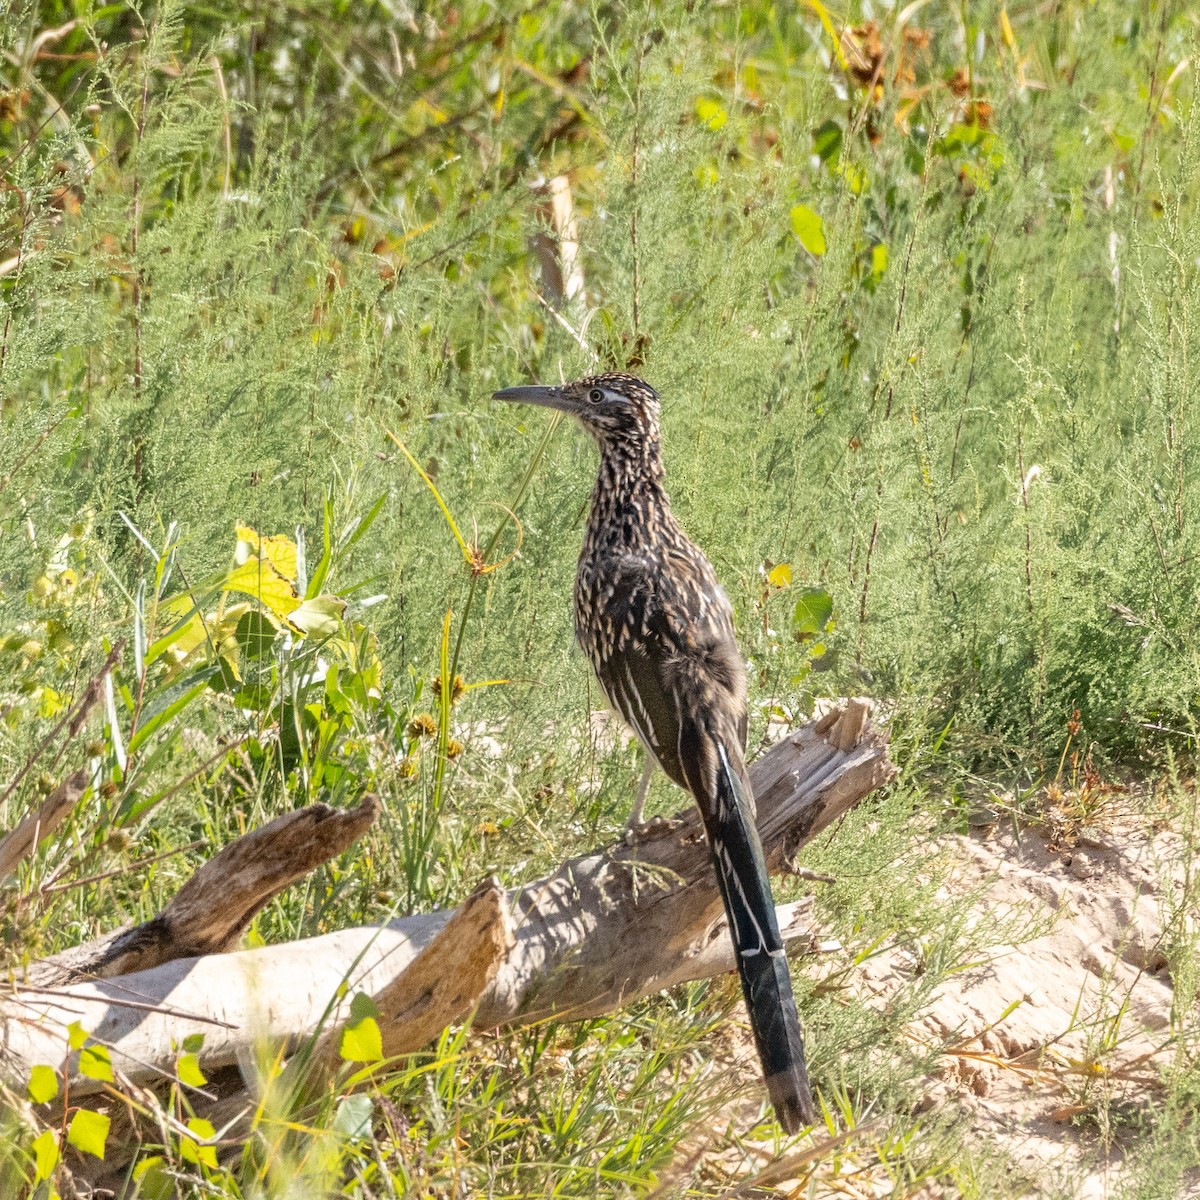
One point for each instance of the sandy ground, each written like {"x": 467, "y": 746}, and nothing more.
{"x": 1092, "y": 993}
{"x": 1063, "y": 1021}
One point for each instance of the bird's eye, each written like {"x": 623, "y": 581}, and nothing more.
{"x": 596, "y": 395}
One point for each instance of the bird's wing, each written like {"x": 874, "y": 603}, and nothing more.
{"x": 637, "y": 674}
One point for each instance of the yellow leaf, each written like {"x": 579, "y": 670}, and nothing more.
{"x": 780, "y": 575}
{"x": 879, "y": 259}
{"x": 362, "y": 1041}
{"x": 711, "y": 113}
{"x": 1006, "y": 30}
{"x": 809, "y": 229}
{"x": 823, "y": 16}
{"x": 95, "y": 1063}
{"x": 188, "y": 1070}
{"x": 89, "y": 1131}
{"x": 45, "y": 1155}
{"x": 43, "y": 1083}
{"x": 192, "y": 1151}
{"x": 278, "y": 550}
{"x": 855, "y": 178}
{"x": 184, "y": 638}
{"x": 261, "y": 579}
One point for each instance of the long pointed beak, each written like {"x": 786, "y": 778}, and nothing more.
{"x": 547, "y": 397}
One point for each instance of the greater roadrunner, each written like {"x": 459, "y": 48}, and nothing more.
{"x": 658, "y": 630}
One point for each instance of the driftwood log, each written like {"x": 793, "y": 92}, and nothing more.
{"x": 40, "y": 824}
{"x": 50, "y": 814}
{"x": 603, "y": 930}
{"x": 209, "y": 914}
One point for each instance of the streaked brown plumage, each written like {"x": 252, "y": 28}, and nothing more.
{"x": 658, "y": 631}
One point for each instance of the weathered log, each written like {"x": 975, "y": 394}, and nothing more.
{"x": 215, "y": 907}
{"x": 40, "y": 824}
{"x": 598, "y": 933}
{"x": 444, "y": 981}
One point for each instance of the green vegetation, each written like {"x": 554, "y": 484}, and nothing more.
{"x": 919, "y": 288}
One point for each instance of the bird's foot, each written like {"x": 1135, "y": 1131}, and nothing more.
{"x": 649, "y": 830}
{"x": 642, "y": 831}
{"x": 634, "y": 831}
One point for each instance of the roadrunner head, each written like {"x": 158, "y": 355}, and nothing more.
{"x": 618, "y": 410}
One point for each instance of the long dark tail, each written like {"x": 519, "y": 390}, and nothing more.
{"x": 762, "y": 966}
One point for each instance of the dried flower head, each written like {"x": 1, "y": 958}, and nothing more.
{"x": 457, "y": 688}
{"x": 422, "y": 725}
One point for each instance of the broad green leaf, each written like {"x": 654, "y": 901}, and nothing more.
{"x": 77, "y": 1036}
{"x": 45, "y": 1155}
{"x": 814, "y": 611}
{"x": 43, "y": 1083}
{"x": 809, "y": 229}
{"x": 827, "y": 141}
{"x": 963, "y": 136}
{"x": 153, "y": 1179}
{"x": 88, "y": 1132}
{"x": 188, "y": 1070}
{"x": 711, "y": 113}
{"x": 193, "y": 1043}
{"x": 321, "y": 617}
{"x": 353, "y": 1118}
{"x": 255, "y": 634}
{"x": 193, "y": 1151}
{"x": 95, "y": 1063}
{"x": 361, "y": 1005}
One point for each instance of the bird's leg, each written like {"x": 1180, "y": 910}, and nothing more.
{"x": 639, "y": 804}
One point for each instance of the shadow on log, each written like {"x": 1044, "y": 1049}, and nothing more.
{"x": 603, "y": 930}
